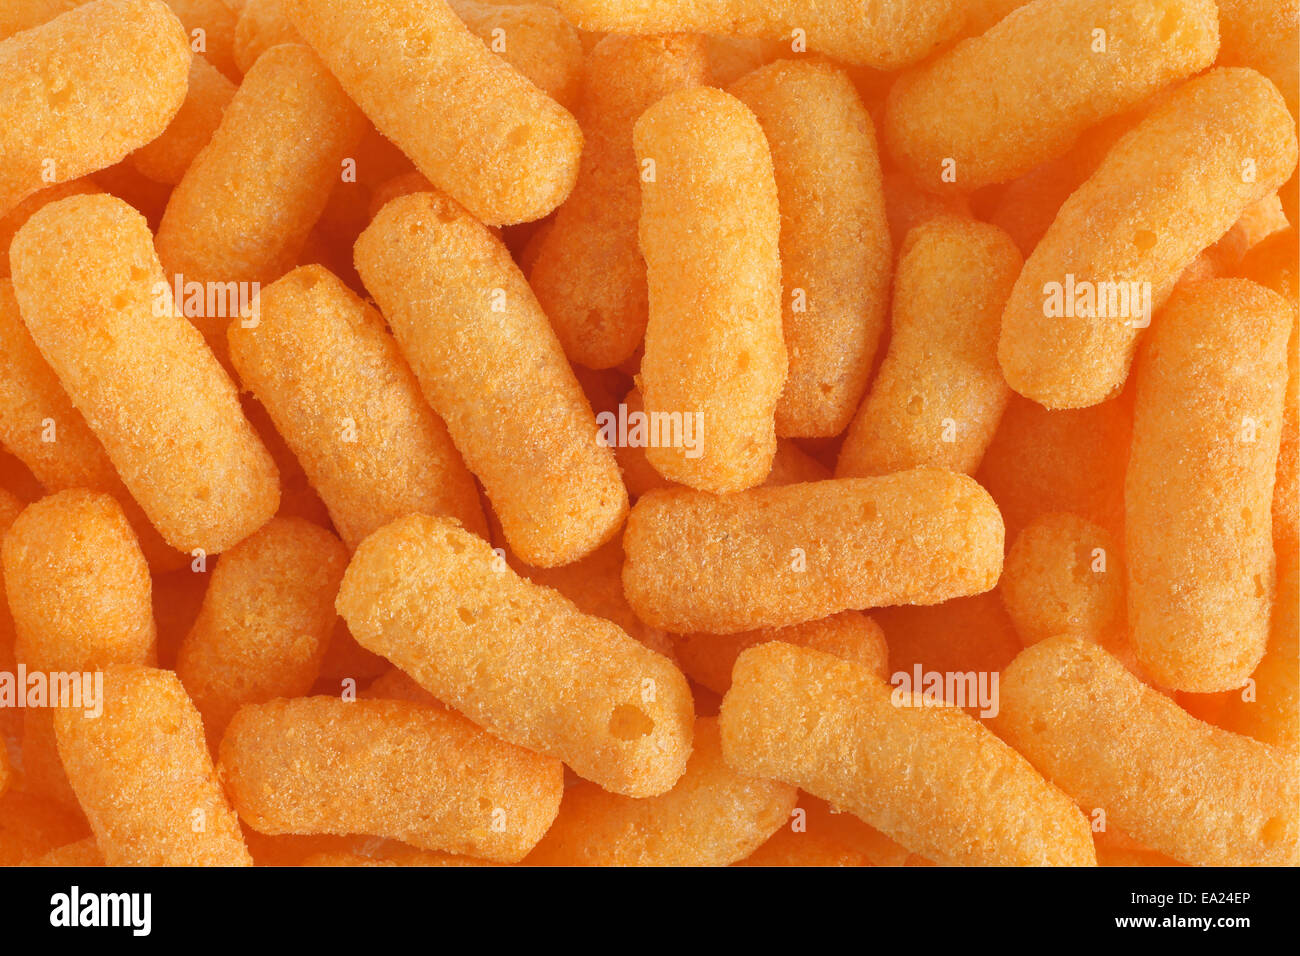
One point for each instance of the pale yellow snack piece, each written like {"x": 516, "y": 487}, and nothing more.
{"x": 1182, "y": 787}
{"x": 167, "y": 158}
{"x": 708, "y": 659}
{"x": 709, "y": 231}
{"x": 241, "y": 215}
{"x": 835, "y": 248}
{"x": 265, "y": 621}
{"x": 1169, "y": 188}
{"x": 886, "y": 34}
{"x": 588, "y": 272}
{"x": 931, "y": 777}
{"x": 714, "y": 816}
{"x": 1063, "y": 575}
{"x": 335, "y": 385}
{"x": 1199, "y": 488}
{"x": 492, "y": 368}
{"x": 391, "y": 768}
{"x": 475, "y": 126}
{"x": 79, "y": 93}
{"x": 772, "y": 557}
{"x": 518, "y": 659}
{"x": 95, "y": 300}
{"x": 144, "y": 777}
{"x": 992, "y": 108}
{"x": 939, "y": 393}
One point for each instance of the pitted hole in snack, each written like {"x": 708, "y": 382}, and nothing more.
{"x": 629, "y": 722}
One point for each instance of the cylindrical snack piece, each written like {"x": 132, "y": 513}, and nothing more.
{"x": 168, "y": 157}
{"x": 928, "y": 775}
{"x": 715, "y": 358}
{"x": 241, "y": 214}
{"x": 939, "y": 394}
{"x": 835, "y": 246}
{"x": 770, "y": 557}
{"x": 993, "y": 108}
{"x": 469, "y": 121}
{"x": 885, "y": 34}
{"x": 79, "y": 93}
{"x": 517, "y": 658}
{"x": 588, "y": 274}
{"x": 92, "y": 294}
{"x": 335, "y": 385}
{"x": 392, "y": 768}
{"x": 266, "y": 619}
{"x": 144, "y": 777}
{"x": 1199, "y": 489}
{"x": 1190, "y": 790}
{"x": 714, "y": 816}
{"x": 492, "y": 368}
{"x": 1167, "y": 190}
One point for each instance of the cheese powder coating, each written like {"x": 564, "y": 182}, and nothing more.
{"x": 517, "y": 658}
{"x": 91, "y": 289}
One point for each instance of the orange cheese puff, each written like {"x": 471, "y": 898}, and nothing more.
{"x": 930, "y": 776}
{"x": 1068, "y": 460}
{"x": 1256, "y": 223}
{"x": 80, "y": 92}
{"x": 939, "y": 393}
{"x": 708, "y": 659}
{"x": 10, "y": 223}
{"x": 714, "y": 352}
{"x": 298, "y": 499}
{"x": 168, "y": 157}
{"x": 835, "y": 249}
{"x": 886, "y": 34}
{"x": 1263, "y": 34}
{"x": 389, "y": 768}
{"x": 242, "y": 215}
{"x": 850, "y": 832}
{"x": 1114, "y": 848}
{"x": 770, "y": 557}
{"x": 788, "y": 848}
{"x": 81, "y": 853}
{"x": 983, "y": 14}
{"x": 588, "y": 274}
{"x": 714, "y": 816}
{"x": 731, "y": 57}
{"x": 907, "y": 206}
{"x": 1169, "y": 188}
{"x": 91, "y": 292}
{"x": 390, "y": 189}
{"x": 335, "y": 385}
{"x": 19, "y": 15}
{"x": 1272, "y": 712}
{"x": 127, "y": 183}
{"x": 517, "y": 658}
{"x": 78, "y": 586}
{"x": 534, "y": 39}
{"x": 31, "y": 826}
{"x": 212, "y": 22}
{"x": 144, "y": 777}
{"x": 1181, "y": 787}
{"x": 1026, "y": 207}
{"x": 994, "y": 107}
{"x": 1063, "y": 576}
{"x": 265, "y": 621}
{"x": 475, "y": 126}
{"x": 491, "y": 367}
{"x": 1199, "y": 487}
{"x": 595, "y": 585}
{"x": 262, "y": 24}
